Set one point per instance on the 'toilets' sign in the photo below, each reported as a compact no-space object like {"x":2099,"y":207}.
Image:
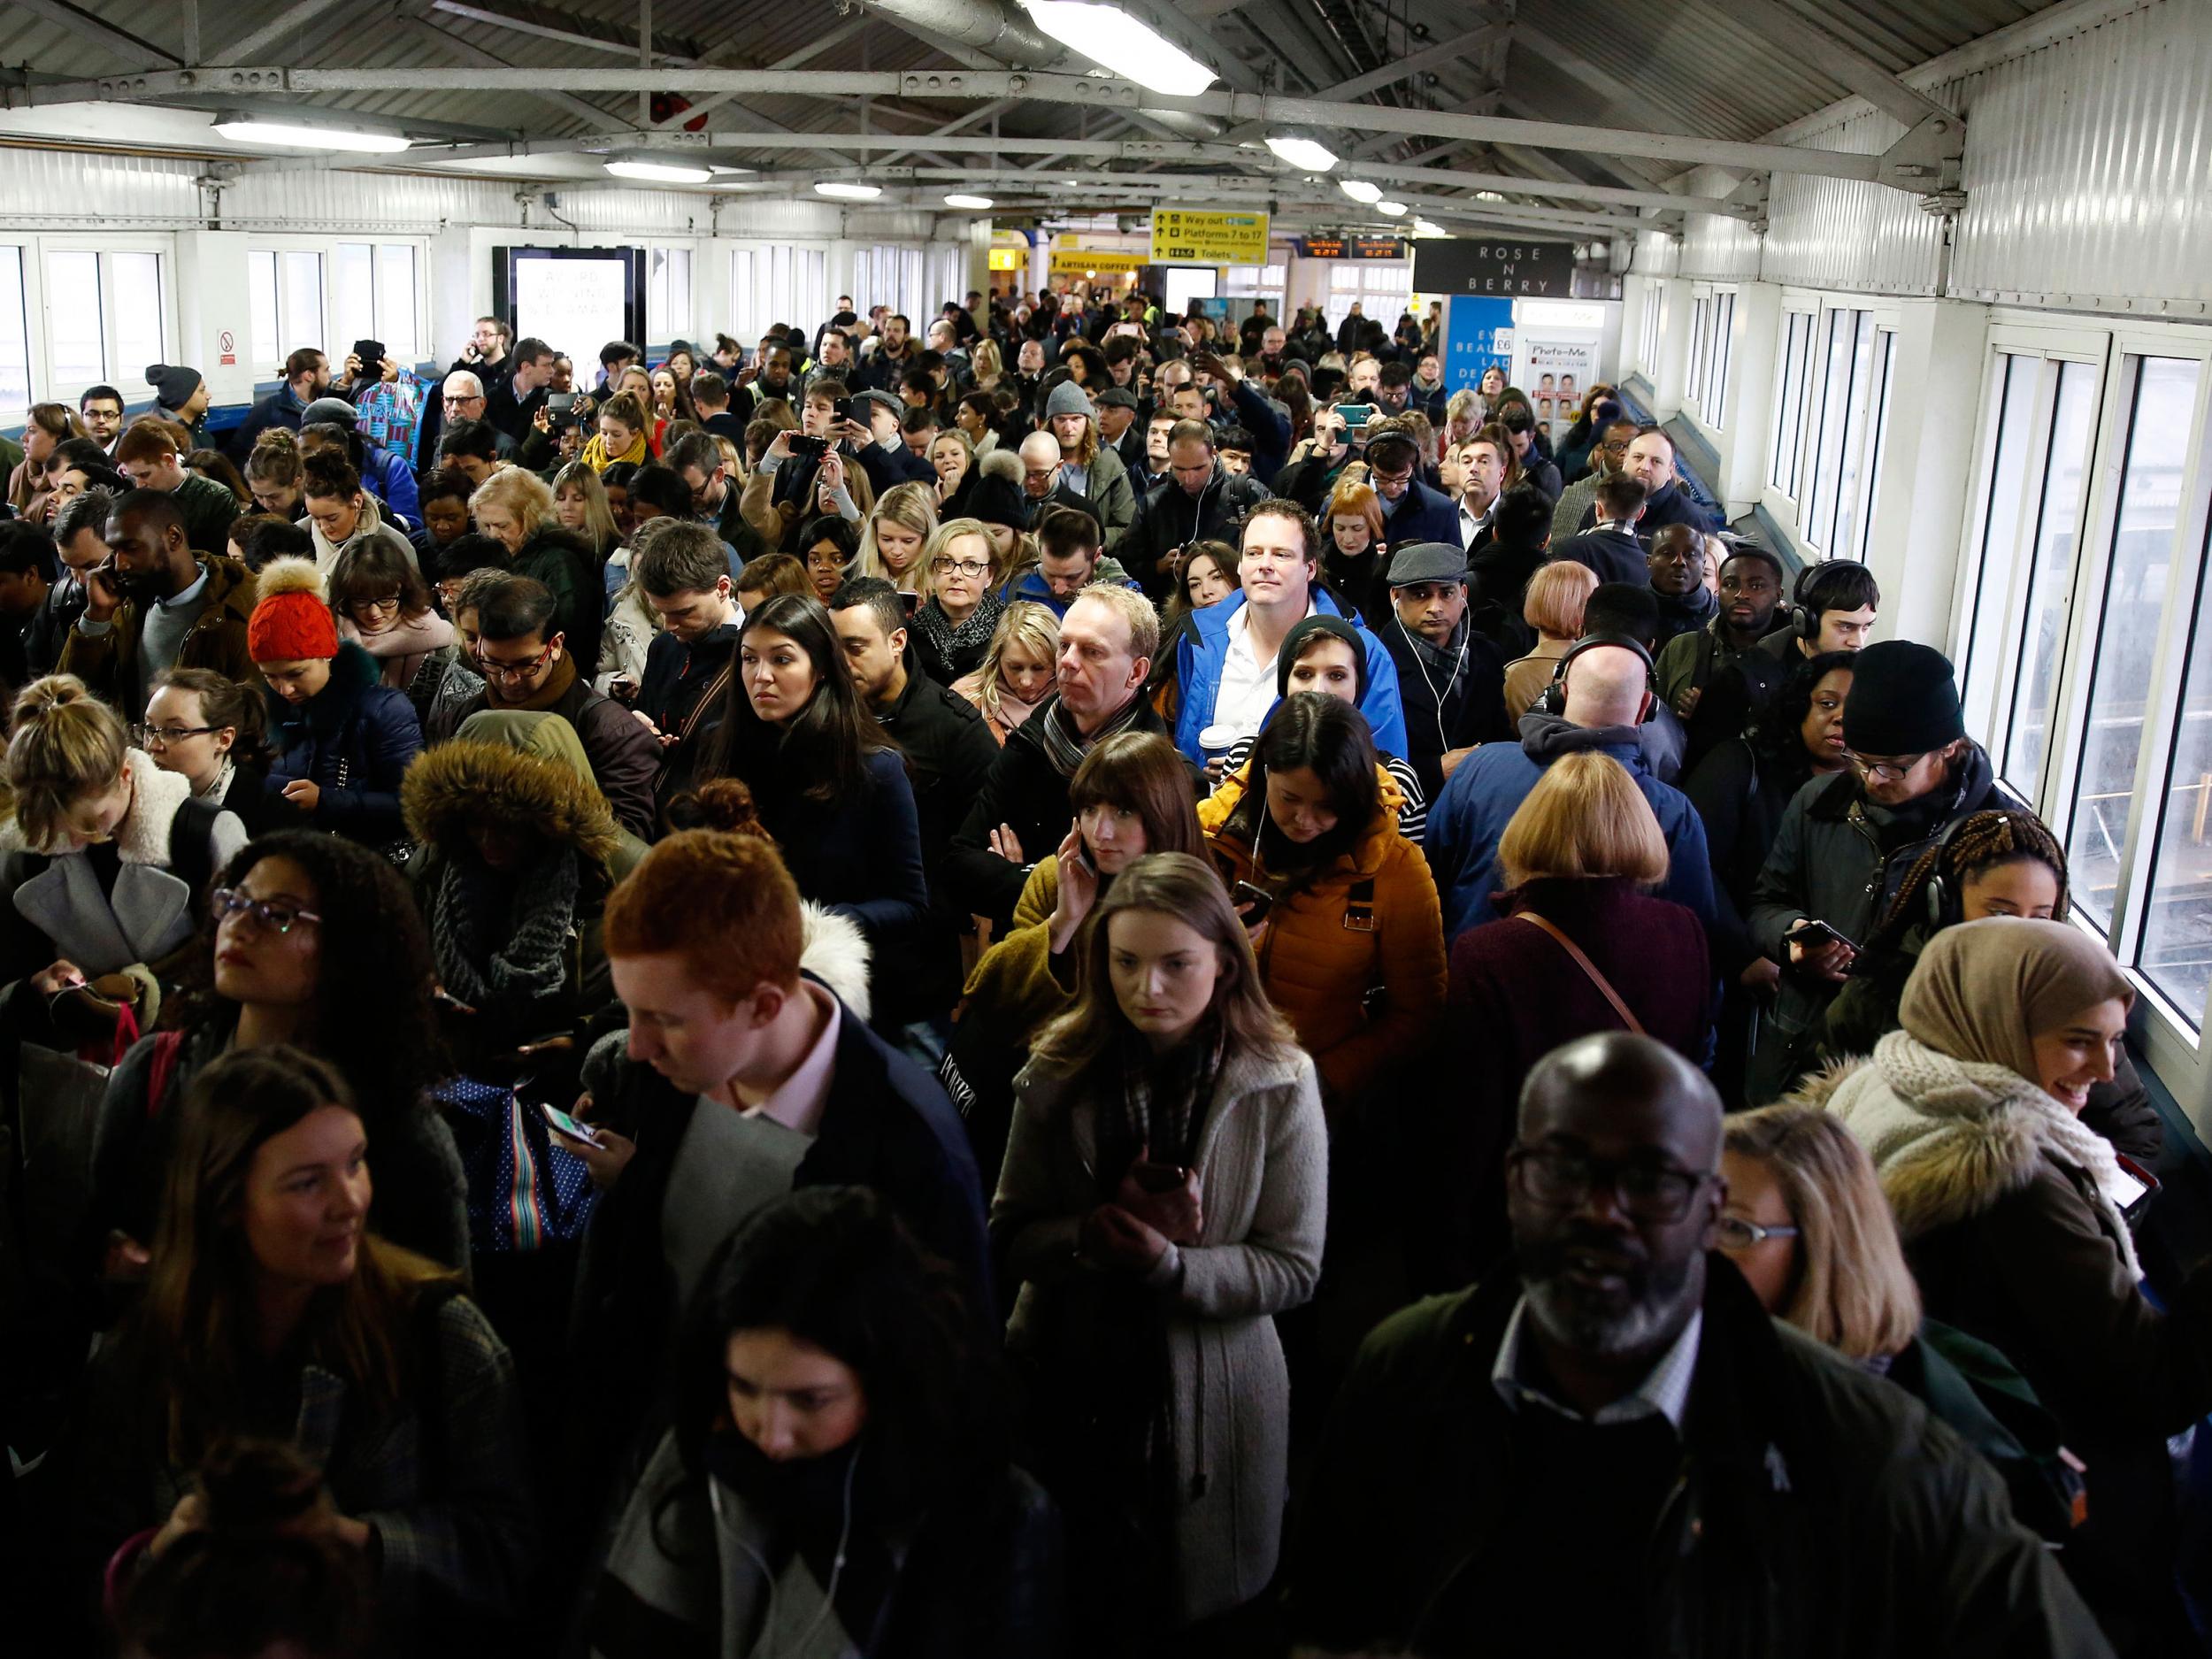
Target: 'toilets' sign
{"x":1494,"y":265}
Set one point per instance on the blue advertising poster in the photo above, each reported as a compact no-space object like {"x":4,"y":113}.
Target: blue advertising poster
{"x":1477,"y":334}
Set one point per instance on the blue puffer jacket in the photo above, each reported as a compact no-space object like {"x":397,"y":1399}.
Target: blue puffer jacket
{"x":353,"y":740}
{"x":391,"y":481}
{"x":1201,"y":651}
{"x":1469,"y":818}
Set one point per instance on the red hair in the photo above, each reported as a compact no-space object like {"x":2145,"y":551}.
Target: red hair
{"x":716,"y":893}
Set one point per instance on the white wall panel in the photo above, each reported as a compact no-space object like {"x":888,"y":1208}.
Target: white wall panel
{"x":2089,"y":169}
{"x":42,"y":189}
{"x":1714,"y":246}
{"x":1838,"y":234}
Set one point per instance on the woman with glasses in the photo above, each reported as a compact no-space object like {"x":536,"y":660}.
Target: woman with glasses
{"x":1586,"y":947}
{"x":214,"y":733}
{"x":342,"y":737}
{"x":2017,"y":1220}
{"x":312,"y":941}
{"x":101,"y":856}
{"x":1164,"y":1195}
{"x":383,"y":605}
{"x":952,"y":628}
{"x":275,"y":1310}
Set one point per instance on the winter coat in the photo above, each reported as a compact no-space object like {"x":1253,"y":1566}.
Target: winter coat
{"x":1111,"y":497}
{"x":860,"y":856}
{"x":1468,"y":821}
{"x":370,"y":527}
{"x":421,"y":1188}
{"x":1740,"y":794}
{"x":1692,"y":613}
{"x":1671,"y":506}
{"x":1262,"y":1168}
{"x":1424,"y":514}
{"x":1267,"y":422}
{"x":1837,"y":859}
{"x":1459,"y":708}
{"x":1516,"y":995}
{"x":283,"y":407}
{"x":624,"y":757}
{"x":391,"y":481}
{"x":104,"y":654}
{"x":1740,"y":689}
{"x":1203,"y":649}
{"x":1614,"y":553}
{"x":1818,"y":1511}
{"x":1026,"y":791}
{"x":2009,"y":1211}
{"x":1695,"y":659}
{"x":681,"y":693}
{"x":353,"y":739}
{"x":1367,"y":924}
{"x":948,"y":753}
{"x":1525,"y":677}
{"x":1173,"y":518}
{"x":1018,"y":983}
{"x":442,"y":1479}
{"x":974,"y":1577}
{"x":58,"y":909}
{"x":207,"y":508}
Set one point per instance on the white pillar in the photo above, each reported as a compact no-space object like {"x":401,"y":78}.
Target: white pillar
{"x":212,"y":307}
{"x":1671,"y":360}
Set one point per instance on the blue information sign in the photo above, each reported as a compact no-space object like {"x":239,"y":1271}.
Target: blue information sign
{"x":1477,"y":334}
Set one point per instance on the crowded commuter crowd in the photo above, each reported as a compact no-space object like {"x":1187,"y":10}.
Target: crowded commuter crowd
{"x":1069,"y":982}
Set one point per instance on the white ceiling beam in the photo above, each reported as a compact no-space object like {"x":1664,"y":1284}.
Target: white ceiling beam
{"x":83,"y":25}
{"x":486,"y":67}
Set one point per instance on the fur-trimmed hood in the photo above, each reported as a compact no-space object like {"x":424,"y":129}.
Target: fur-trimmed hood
{"x":464,"y":784}
{"x":1949,"y":1139}
{"x":835,"y":950}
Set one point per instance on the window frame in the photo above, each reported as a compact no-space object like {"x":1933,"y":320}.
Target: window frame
{"x":1712,"y":354}
{"x":340,"y":338}
{"x":1859,"y":454}
{"x":126,"y":377}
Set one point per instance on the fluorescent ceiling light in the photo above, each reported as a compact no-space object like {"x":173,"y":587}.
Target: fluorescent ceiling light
{"x":1108,"y":37}
{"x":1396,"y":210}
{"x":1310,"y":154}
{"x":846,"y":190}
{"x":1359,"y":190}
{"x":286,"y":137}
{"x":973,"y":203}
{"x":1427,"y":227}
{"x":659,"y":171}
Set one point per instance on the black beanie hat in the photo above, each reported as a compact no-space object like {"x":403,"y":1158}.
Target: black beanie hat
{"x":998,"y":501}
{"x":1904,"y":701}
{"x":1294,"y":642}
{"x":172,"y":384}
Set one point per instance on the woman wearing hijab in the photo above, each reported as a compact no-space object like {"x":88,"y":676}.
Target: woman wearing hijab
{"x":2015,"y":1218}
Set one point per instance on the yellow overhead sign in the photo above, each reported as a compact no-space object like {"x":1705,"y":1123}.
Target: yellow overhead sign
{"x":1009,"y":259}
{"x":1073,"y":262}
{"x":1181,"y":237}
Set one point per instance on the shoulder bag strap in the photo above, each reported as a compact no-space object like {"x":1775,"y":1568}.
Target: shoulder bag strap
{"x":1588,"y":967}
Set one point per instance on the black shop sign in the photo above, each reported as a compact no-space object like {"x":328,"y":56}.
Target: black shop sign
{"x":1494,"y":264}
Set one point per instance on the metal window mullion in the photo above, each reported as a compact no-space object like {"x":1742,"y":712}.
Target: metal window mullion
{"x":2019,"y":614}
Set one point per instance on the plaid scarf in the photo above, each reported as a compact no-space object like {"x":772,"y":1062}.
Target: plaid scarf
{"x":1160,"y":1108}
{"x":1064,"y":747}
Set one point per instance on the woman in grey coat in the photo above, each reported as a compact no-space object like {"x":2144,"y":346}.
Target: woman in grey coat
{"x":1164,"y":1193}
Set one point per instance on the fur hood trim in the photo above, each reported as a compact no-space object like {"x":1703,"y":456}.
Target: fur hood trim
{"x":142,"y":838}
{"x":834,"y":950}
{"x":461,"y":783}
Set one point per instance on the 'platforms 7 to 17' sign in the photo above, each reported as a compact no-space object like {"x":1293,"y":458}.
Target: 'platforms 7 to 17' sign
{"x":1506,"y":268}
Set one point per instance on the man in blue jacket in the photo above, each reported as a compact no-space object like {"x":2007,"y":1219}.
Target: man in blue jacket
{"x":1412,"y":511}
{"x":306,"y":378}
{"x":1608,"y":684}
{"x":1224,"y":664}
{"x":1244,"y":404}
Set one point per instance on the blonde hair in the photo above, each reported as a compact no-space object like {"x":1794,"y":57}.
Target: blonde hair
{"x":986,"y":363}
{"x":1850,"y":1290}
{"x":1026,"y":623}
{"x":1556,"y":593}
{"x":1584,"y":818}
{"x":598,"y":515}
{"x":525,"y":496}
{"x":943,"y":536}
{"x":63,"y":743}
{"x":912,"y":507}
{"x":1135,"y":611}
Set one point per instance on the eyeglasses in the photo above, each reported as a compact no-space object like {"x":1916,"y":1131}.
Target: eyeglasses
{"x":1893,"y":770}
{"x":166,"y":735}
{"x":1560,"y":1179}
{"x":390,"y":602}
{"x":513,"y":671}
{"x":1735,"y":1234}
{"x":966,"y":567}
{"x":279,"y":918}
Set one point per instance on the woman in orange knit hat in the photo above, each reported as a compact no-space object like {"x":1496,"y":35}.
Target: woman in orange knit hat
{"x":343,"y":737}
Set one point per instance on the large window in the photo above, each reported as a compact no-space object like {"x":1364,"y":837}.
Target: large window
{"x":779,"y":284}
{"x":893,"y":276}
{"x":106,"y":318}
{"x":372,"y":297}
{"x":1831,"y":423}
{"x":15,"y":338}
{"x":1712,"y":323}
{"x":285,"y":303}
{"x":2175,"y":950}
{"x":1384,"y":288}
{"x":2163,"y":397}
{"x":668,"y":294}
{"x":1791,"y":397}
{"x":1269,"y":282}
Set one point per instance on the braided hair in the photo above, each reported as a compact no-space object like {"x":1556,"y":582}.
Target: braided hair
{"x":1983,"y":841}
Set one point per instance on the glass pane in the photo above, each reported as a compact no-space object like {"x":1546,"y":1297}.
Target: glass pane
{"x":77,"y":343}
{"x":657,"y":295}
{"x":1786,"y":403}
{"x":1835,"y":401}
{"x":352,"y":298}
{"x":261,"y":287}
{"x":300,"y":305}
{"x":1849,"y":503}
{"x":2042,"y":640}
{"x":2011,"y":404}
{"x":135,"y":305}
{"x":2134,"y":592}
{"x":1696,"y":386}
{"x":2174,"y":951}
{"x":15,"y":338}
{"x":1885,"y":352}
{"x":1724,"y":329}
{"x":396,"y":299}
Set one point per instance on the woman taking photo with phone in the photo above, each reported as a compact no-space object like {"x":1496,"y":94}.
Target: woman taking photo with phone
{"x":952,"y":629}
{"x":1163,"y":1197}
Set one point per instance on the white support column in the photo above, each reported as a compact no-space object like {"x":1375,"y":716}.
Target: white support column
{"x":1927,"y":458}
{"x":1634,"y":285}
{"x":212,"y":305}
{"x":1748,"y":414}
{"x":1670,"y":375}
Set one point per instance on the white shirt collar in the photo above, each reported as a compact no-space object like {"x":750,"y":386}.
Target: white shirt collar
{"x":799,"y":1102}
{"x":1664,"y":1390}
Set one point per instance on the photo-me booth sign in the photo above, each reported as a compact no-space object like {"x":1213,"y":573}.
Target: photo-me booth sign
{"x":1495,"y":266}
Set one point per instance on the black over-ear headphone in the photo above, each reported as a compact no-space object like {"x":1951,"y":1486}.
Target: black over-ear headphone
{"x":1938,"y":889}
{"x":1806,"y":595}
{"x":1554,"y":698}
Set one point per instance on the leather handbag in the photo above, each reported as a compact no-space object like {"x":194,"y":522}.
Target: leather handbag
{"x":1588,"y":967}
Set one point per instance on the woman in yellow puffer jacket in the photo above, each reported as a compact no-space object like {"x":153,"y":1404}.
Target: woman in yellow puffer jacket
{"x":1351,"y":947}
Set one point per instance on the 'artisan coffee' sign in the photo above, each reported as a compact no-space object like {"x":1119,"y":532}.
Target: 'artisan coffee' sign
{"x":1474,"y":264}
